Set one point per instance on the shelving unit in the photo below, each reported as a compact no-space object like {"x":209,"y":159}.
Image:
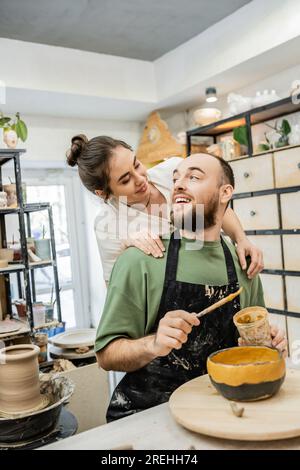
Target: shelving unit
{"x":24,"y":268}
{"x":265,"y":181}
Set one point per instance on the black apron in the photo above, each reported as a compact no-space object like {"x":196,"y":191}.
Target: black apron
{"x":154,"y":383}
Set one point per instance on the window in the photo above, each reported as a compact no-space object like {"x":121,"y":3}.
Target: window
{"x":60,"y":189}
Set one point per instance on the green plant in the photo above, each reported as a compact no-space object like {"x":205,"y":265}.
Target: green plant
{"x":240,"y":135}
{"x":14,"y":124}
{"x":44,"y":231}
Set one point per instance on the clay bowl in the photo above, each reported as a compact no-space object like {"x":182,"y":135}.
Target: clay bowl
{"x":246,"y":373}
{"x":30,"y":426}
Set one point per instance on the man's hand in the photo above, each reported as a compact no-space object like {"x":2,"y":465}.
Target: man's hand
{"x":246,"y":248}
{"x":173,"y":331}
{"x":279,"y":340}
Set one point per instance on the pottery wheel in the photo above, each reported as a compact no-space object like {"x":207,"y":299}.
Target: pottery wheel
{"x":8,"y":326}
{"x":197,"y":406}
{"x":14,"y":414}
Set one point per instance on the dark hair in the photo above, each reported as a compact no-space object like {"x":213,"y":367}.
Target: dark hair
{"x":92,"y":157}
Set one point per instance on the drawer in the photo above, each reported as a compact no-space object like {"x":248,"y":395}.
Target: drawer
{"x":294,"y":337}
{"x":291,"y":251}
{"x":278,"y":320}
{"x":287,"y":168}
{"x":253,"y":174}
{"x":290,"y":210}
{"x":271,"y":248}
{"x":257,"y":213}
{"x":273,"y":291}
{"x":293,"y":293}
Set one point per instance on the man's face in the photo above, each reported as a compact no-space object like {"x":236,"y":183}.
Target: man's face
{"x":197,"y":183}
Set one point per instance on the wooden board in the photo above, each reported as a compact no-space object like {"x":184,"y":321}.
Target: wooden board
{"x":157,"y":142}
{"x":198,"y":407}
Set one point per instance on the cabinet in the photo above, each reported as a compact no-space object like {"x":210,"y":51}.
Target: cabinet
{"x":23,"y":269}
{"x":267,"y":201}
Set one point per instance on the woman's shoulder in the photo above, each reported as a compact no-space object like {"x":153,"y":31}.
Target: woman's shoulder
{"x":105,"y":215}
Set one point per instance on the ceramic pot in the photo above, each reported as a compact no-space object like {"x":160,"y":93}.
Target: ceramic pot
{"x":19,"y":378}
{"x":205,"y":116}
{"x":42,"y":248}
{"x":253,"y":326}
{"x":10,"y":138}
{"x":11,"y":192}
{"x":3,"y":200}
{"x":7,"y":254}
{"x":246,"y":373}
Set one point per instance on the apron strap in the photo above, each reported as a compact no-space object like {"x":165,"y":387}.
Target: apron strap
{"x":172,"y":260}
{"x":231,"y":271}
{"x":172,"y":257}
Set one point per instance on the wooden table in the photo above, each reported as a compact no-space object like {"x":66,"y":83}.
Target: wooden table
{"x":156,"y":429}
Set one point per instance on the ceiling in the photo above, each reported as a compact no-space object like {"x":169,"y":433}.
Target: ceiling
{"x":136,"y":29}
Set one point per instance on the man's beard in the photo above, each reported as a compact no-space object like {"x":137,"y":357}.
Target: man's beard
{"x":193,"y":220}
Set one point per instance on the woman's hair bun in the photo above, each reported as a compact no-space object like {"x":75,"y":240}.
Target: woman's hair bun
{"x":78,"y":143}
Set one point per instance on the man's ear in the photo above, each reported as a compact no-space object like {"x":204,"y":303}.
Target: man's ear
{"x":99,"y":193}
{"x":226,"y":193}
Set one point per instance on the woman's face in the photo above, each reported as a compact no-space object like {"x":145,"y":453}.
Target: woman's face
{"x":128,"y":177}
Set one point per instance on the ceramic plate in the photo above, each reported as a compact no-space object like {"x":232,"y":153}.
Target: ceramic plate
{"x":56,"y":352}
{"x":7,"y":326}
{"x":74,"y":338}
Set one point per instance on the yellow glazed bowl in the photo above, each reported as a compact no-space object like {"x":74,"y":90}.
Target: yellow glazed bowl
{"x":246,"y":373}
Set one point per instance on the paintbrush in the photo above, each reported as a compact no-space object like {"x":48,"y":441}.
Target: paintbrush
{"x":221,"y":302}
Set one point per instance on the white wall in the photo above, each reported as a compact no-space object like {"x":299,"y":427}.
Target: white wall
{"x":50,"y":137}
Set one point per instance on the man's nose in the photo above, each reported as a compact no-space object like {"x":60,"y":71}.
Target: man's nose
{"x":179,"y":184}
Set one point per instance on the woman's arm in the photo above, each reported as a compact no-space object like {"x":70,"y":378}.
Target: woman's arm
{"x":233,"y":228}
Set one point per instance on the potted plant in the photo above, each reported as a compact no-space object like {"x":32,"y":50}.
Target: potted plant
{"x":278,"y":137}
{"x":13,"y":129}
{"x":42,"y":246}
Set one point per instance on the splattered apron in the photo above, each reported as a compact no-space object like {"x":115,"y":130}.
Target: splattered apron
{"x":154,"y":383}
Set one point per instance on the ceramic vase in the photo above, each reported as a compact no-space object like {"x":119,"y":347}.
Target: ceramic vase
{"x":10,"y":138}
{"x":42,"y":248}
{"x":19,"y":378}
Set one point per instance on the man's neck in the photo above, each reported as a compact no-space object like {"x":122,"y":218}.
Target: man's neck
{"x":211,"y":234}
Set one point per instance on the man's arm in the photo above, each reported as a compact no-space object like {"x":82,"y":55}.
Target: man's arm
{"x":128,"y":355}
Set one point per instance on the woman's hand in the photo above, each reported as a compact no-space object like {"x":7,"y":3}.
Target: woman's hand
{"x":246,"y":248}
{"x":147,"y":242}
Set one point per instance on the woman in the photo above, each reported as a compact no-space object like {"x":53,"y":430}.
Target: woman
{"x":137,"y":202}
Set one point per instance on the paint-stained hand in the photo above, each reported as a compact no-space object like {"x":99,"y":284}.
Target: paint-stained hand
{"x":279,"y":340}
{"x":173,"y":331}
